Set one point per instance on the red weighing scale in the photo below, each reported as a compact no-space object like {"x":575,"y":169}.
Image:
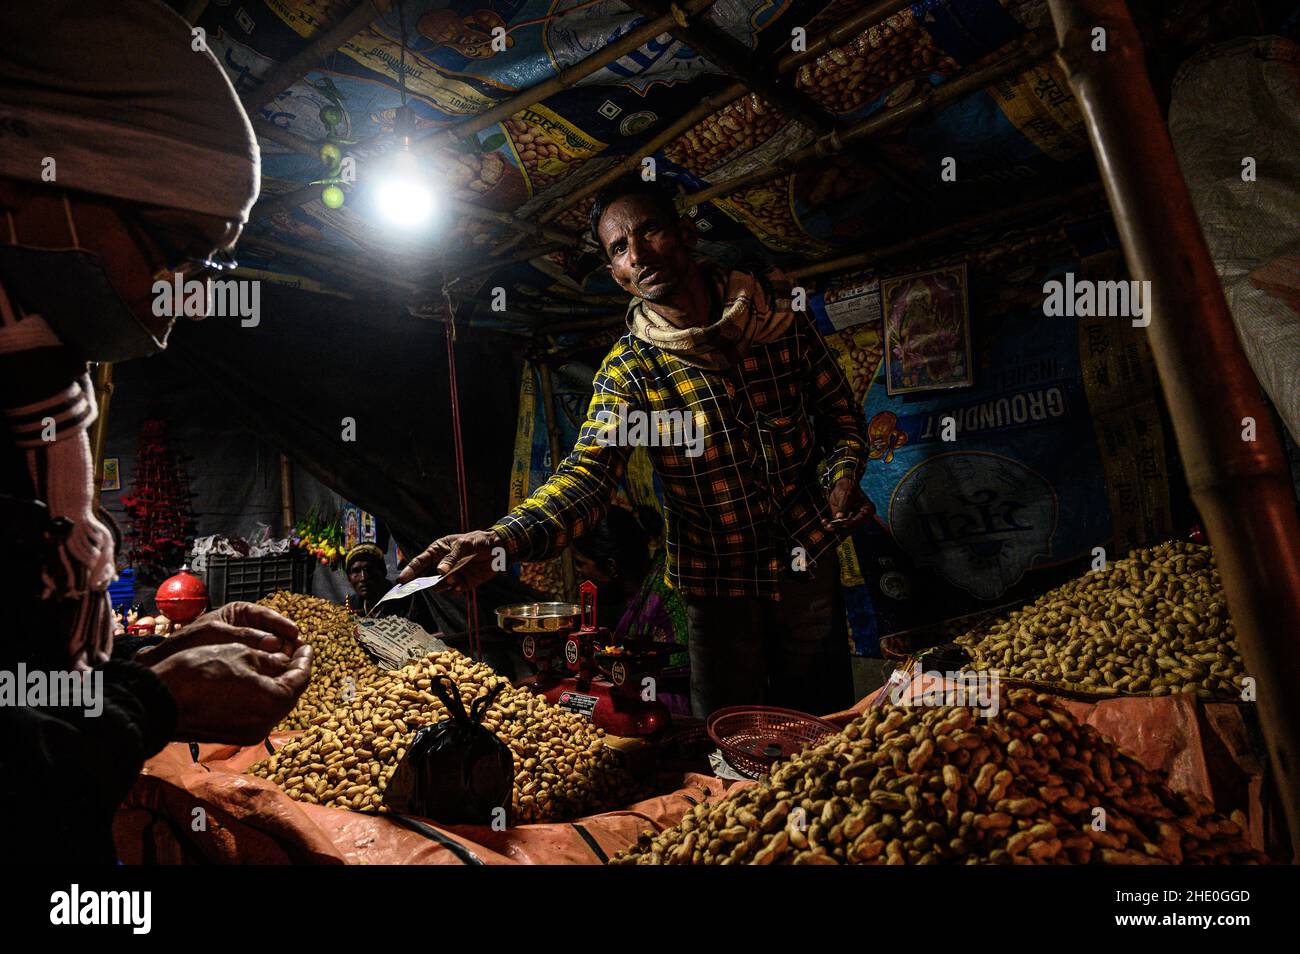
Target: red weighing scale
{"x":578,"y":666}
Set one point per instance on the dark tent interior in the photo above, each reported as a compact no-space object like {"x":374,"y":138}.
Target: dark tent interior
{"x":1029,"y":235}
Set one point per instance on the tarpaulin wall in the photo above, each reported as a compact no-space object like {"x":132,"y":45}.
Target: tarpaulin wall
{"x":1058,"y":444}
{"x":234,"y":475}
{"x":356,"y":393}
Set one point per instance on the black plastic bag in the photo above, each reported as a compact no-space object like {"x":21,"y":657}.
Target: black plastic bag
{"x":455,"y":772}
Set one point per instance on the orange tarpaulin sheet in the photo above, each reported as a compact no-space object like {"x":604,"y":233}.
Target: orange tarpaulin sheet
{"x":206,"y":811}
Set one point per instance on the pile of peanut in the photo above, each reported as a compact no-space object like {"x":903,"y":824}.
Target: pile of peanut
{"x":945,"y":785}
{"x":1154,"y":623}
{"x":337,"y":657}
{"x":362,"y":719}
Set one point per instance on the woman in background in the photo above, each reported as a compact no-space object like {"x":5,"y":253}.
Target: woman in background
{"x":623,"y":555}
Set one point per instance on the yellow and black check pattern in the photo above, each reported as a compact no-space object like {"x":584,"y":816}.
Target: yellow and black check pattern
{"x":735,"y":512}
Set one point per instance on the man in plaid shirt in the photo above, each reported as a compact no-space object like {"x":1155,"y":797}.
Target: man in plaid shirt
{"x":738,"y":399}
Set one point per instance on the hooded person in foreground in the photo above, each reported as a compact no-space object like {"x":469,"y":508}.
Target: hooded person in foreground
{"x":125,"y":159}
{"x":752,"y":400}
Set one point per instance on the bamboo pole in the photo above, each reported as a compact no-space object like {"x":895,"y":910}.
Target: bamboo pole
{"x":1241,"y":488}
{"x":567,"y":78}
{"x":1017,"y":55}
{"x":735,"y":61}
{"x":323,"y":43}
{"x":557,"y":456}
{"x":326,"y":261}
{"x":269,"y":205}
{"x":468,"y":270}
{"x":473,"y":211}
{"x":987,"y":220}
{"x":286,"y":494}
{"x":266,"y":129}
{"x":838,"y":36}
{"x":99,"y":430}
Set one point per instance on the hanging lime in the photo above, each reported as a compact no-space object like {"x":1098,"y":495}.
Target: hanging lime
{"x":332,"y":196}
{"x":331,"y":115}
{"x":330,"y":154}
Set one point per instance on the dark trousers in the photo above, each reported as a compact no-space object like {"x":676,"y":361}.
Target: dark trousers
{"x":793,"y":653}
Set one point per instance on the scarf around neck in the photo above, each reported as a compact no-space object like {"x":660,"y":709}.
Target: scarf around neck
{"x":755,"y":310}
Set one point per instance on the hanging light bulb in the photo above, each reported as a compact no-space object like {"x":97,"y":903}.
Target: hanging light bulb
{"x":402,"y":196}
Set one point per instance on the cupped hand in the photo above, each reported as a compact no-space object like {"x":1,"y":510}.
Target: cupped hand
{"x":232,"y":693}
{"x":247,"y":624}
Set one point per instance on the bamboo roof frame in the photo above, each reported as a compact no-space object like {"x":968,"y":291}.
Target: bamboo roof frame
{"x":365,"y":13}
{"x":570,"y":76}
{"x":710,"y":42}
{"x":870,"y":256}
{"x":1019,"y":54}
{"x":307,"y":193}
{"x":325,"y":42}
{"x":724,"y":52}
{"x":837,"y":36}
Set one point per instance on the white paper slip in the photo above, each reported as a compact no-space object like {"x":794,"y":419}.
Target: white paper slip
{"x":412,"y":586}
{"x":420,"y":583}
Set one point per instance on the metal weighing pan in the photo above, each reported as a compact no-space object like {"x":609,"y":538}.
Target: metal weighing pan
{"x":539,"y":617}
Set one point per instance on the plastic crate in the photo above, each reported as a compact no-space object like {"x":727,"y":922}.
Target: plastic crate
{"x":250,"y":578}
{"x":121,"y":592}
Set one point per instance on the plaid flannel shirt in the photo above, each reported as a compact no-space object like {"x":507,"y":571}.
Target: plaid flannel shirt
{"x":734,"y":513}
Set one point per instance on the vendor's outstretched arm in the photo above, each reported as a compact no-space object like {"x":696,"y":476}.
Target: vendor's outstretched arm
{"x":579,"y":492}
{"x":574,"y":498}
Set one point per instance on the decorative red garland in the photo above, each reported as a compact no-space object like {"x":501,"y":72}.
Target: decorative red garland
{"x":161,"y":522}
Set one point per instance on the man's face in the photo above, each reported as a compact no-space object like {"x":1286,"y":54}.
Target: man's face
{"x":649,"y":253}
{"x":134,"y":242}
{"x":367,"y":578}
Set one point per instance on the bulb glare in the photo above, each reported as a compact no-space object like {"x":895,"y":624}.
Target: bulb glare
{"x":405,"y":202}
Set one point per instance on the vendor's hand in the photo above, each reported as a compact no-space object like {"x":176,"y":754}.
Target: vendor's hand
{"x":231,"y":692}
{"x":248,"y":624}
{"x":446,"y":552}
{"x":848,"y":505}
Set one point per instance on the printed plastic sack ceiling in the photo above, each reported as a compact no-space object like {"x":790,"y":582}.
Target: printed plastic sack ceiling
{"x":1023,"y":129}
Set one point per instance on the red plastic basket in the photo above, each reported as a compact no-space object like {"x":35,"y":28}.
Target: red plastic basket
{"x":753,"y":737}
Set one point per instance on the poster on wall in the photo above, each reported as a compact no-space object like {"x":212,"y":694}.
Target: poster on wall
{"x":927,"y":330}
{"x":111,"y":478}
{"x":351,"y":526}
